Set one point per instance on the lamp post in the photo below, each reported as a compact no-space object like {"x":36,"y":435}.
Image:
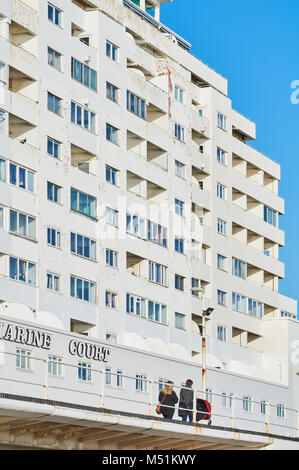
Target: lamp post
{"x":205,"y":313}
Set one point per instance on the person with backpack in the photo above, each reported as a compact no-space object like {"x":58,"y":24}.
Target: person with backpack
{"x":167,"y":399}
{"x":186,"y":402}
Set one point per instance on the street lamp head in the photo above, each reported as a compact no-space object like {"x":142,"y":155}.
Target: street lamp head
{"x":209,"y":311}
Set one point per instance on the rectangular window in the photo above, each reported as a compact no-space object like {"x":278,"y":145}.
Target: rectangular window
{"x":55,"y":366}
{"x":179,"y":207}
{"x":108,"y":376}
{"x":179,"y":282}
{"x":83,"y":290}
{"x":111,"y":258}
{"x":21,"y":177}
{"x":157,"y":312}
{"x":111,"y":134}
{"x":54,"y":59}
{"x":179,"y":94}
{"x":280,"y":411}
{"x":2,"y":170}
{"x":54,"y":104}
{"x":195,"y":287}
{"x":239,"y":268}
{"x":221,"y":262}
{"x":263,"y":407}
{"x":179,"y":245}
{"x":226,"y":400}
{"x":221,"y":333}
{"x":20,"y":270}
{"x":222,"y":298}
{"x":136,"y":105}
{"x":247,"y":404}
{"x":157,"y":233}
{"x":54,"y":237}
{"x":53,"y":147}
{"x":209,"y":395}
{"x":53,"y":192}
{"x":136,"y":305}
{"x":53,"y":282}
{"x":270,"y":216}
{"x":119,"y":378}
{"x":179,"y":321}
{"x":22,"y":224}
{"x":136,"y":226}
{"x":221,"y":121}
{"x":54,"y":14}
{"x":111,"y":216}
{"x":83,"y":117}
{"x":23,"y":359}
{"x":157,"y":273}
{"x":179,"y":132}
{"x":239,"y":302}
{"x":1,"y":217}
{"x":180,"y":169}
{"x":221,"y":191}
{"x":141,"y":383}
{"x":83,"y":246}
{"x":84,"y":74}
{"x":112,"y":51}
{"x":83,"y":203}
{"x":222,"y":227}
{"x":255,"y":308}
{"x":112,"y":175}
{"x":221,"y":156}
{"x":111,"y":299}
{"x":84,"y":371}
{"x":112,"y":92}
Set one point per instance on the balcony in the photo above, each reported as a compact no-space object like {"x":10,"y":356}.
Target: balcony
{"x":243,"y":126}
{"x":24,"y":62}
{"x":23,"y":18}
{"x":25,"y":110}
{"x":201,"y":197}
{"x":201,"y":160}
{"x":200,"y":124}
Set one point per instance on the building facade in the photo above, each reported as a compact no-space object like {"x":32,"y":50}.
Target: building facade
{"x":130,"y":201}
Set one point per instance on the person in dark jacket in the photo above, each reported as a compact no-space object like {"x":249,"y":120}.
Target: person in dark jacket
{"x":186,"y":402}
{"x":168,"y":398}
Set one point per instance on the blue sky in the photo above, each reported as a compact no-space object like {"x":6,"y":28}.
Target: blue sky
{"x":255,"y":45}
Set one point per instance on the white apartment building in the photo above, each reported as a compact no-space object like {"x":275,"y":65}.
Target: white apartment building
{"x":131,"y":201}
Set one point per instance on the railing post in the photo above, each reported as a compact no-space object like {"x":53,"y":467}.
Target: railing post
{"x":102,"y":372}
{"x":151,"y":398}
{"x":46,"y":363}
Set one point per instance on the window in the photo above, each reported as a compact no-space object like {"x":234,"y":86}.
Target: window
{"x":2,"y":169}
{"x":53,"y":282}
{"x":221,"y":121}
{"x":20,"y":270}
{"x":23,"y":359}
{"x":111,"y":216}
{"x":53,"y":147}
{"x":54,"y":237}
{"x":53,"y":192}
{"x":157,"y":273}
{"x":136,"y":225}
{"x":112,"y":175}
{"x":54,"y":14}
{"x":221,"y":297}
{"x":247,"y":404}
{"x":270,"y":216}
{"x":110,"y":299}
{"x":108,"y":377}
{"x":111,"y":134}
{"x":180,"y":169}
{"x":263,"y":407}
{"x":1,"y":217}
{"x":239,"y":303}
{"x":83,"y":246}
{"x":112,"y":92}
{"x":221,"y":333}
{"x":83,"y":203}
{"x":179,"y":245}
{"x":221,"y":262}
{"x":179,"y":321}
{"x":119,"y":378}
{"x":111,"y":258}
{"x":112,"y":51}
{"x":157,"y":312}
{"x":136,"y":305}
{"x":221,"y":191}
{"x":239,"y":268}
{"x":54,"y":104}
{"x":55,"y":366}
{"x":280,"y":411}
{"x":226,"y":400}
{"x":136,"y":105}
{"x":179,"y":94}
{"x":141,"y":383}
{"x":221,"y":227}
{"x":287,"y":315}
{"x":179,"y":282}
{"x":157,"y":233}
{"x":21,"y":177}
{"x":83,"y":290}
{"x":54,"y":59}
{"x":84,"y":371}
{"x":221,"y":156}
{"x":179,"y":132}
{"x":255,"y":308}
{"x":83,"y":117}
{"x":209,"y":395}
{"x":22,"y":224}
{"x":111,"y":338}
{"x":84,"y":74}
{"x":195,"y":287}
{"x":179,"y":207}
